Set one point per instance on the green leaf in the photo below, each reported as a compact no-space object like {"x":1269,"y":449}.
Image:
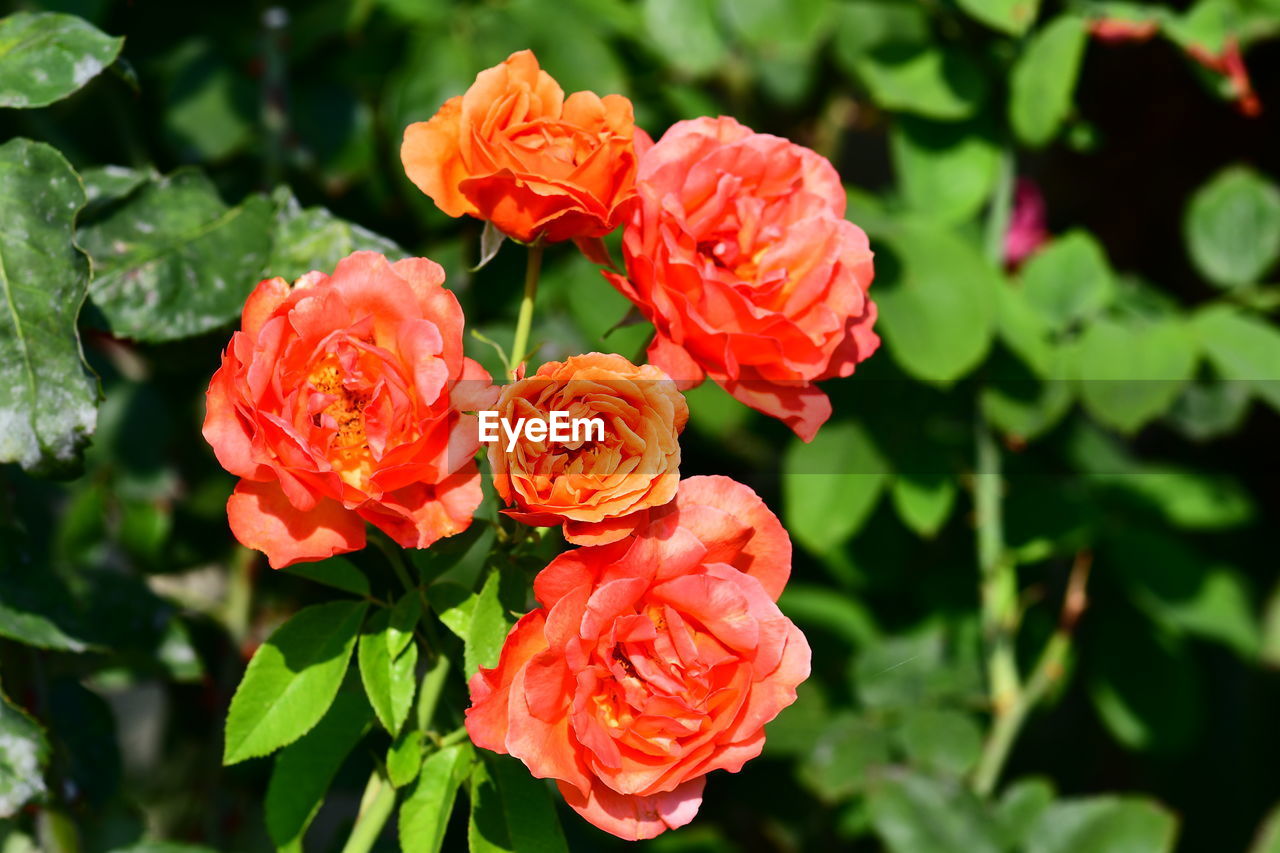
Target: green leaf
{"x":106,"y":184}
{"x":48,"y":399}
{"x":1243,"y":348}
{"x":924,"y":501}
{"x":24,"y":751}
{"x":1267,"y":838}
{"x":943,"y":84}
{"x":777,"y":26}
{"x":1019,"y":808}
{"x":36,"y":609}
{"x":937,"y":303}
{"x":403,"y":621}
{"x":389,"y":682}
{"x":1105,"y":824}
{"x":685,"y":33}
{"x":846,"y":749}
{"x":1044,"y":78}
{"x":1132,"y":371}
{"x":946,"y":170}
{"x":914,"y":670}
{"x":814,"y":606}
{"x":1232,"y":227}
{"x":304,"y":770}
{"x":174,"y":261}
{"x":831,"y":485}
{"x":917,"y":814}
{"x":487,"y":629}
{"x":939,"y":740}
{"x":1007,"y":16}
{"x":424,"y":815}
{"x":337,"y":572}
{"x":312,"y":238}
{"x":1069,"y":280}
{"x":863,"y":26}
{"x":404,"y":758}
{"x":45,"y":56}
{"x":292,"y":679}
{"x":511,"y":810}
{"x":1187,"y":498}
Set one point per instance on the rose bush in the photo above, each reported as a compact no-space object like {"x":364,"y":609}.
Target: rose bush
{"x":340,"y":401}
{"x":516,"y":152}
{"x":653,"y":661}
{"x":739,"y":255}
{"x":598,"y":490}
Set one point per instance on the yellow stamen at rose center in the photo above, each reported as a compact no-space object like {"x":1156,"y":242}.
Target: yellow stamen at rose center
{"x":349,"y":453}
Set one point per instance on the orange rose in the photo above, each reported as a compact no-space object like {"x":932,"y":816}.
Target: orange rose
{"x":516,"y":152}
{"x":739,"y":254}
{"x":652,"y":661}
{"x":338,"y":403}
{"x":598,"y":489}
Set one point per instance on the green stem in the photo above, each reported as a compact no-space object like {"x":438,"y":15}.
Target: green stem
{"x":458,"y":735}
{"x":999,"y":581}
{"x":524,"y":322}
{"x":375,"y":807}
{"x":429,"y":691}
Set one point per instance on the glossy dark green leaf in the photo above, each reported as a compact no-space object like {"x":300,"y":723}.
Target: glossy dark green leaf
{"x":292,"y":679}
{"x":1044,"y":79}
{"x":45,"y":56}
{"x":424,"y":815}
{"x":48,"y":399}
{"x":337,"y":572}
{"x":389,"y":682}
{"x":304,"y":770}
{"x":174,"y":261}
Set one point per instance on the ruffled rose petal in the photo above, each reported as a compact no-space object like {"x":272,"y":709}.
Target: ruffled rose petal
{"x":262,"y":518}
{"x":635,"y":818}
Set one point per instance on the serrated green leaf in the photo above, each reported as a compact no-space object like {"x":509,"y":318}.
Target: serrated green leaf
{"x":831,"y":485}
{"x":1069,"y":280}
{"x":24,"y":751}
{"x":1232,"y":227}
{"x":48,"y":399}
{"x":312,"y":238}
{"x":45,"y":56}
{"x":304,"y":770}
{"x":1132,"y":371}
{"x":389,"y":682}
{"x":424,"y":815}
{"x":1106,"y":824}
{"x":174,"y":261}
{"x":1044,"y":79}
{"x":937,"y":305}
{"x":292,"y":679}
{"x":337,"y":572}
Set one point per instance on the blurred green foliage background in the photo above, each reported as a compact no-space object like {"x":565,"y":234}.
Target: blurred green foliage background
{"x":1125,"y":378}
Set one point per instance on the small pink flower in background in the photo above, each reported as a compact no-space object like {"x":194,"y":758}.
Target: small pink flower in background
{"x":1116,"y":30}
{"x":1027,"y":231}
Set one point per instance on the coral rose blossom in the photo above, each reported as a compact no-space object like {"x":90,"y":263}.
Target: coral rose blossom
{"x":338,"y":402}
{"x":652,"y":661}
{"x":516,"y":152}
{"x":740,"y":256}
{"x":598,"y":489}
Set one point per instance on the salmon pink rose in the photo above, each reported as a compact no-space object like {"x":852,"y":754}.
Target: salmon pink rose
{"x":739,"y":254}
{"x":516,"y":152}
{"x":600,"y":487}
{"x":653,"y":661}
{"x":340,"y":401}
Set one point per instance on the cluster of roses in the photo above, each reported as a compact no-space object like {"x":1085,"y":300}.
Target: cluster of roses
{"x":659,"y":652}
